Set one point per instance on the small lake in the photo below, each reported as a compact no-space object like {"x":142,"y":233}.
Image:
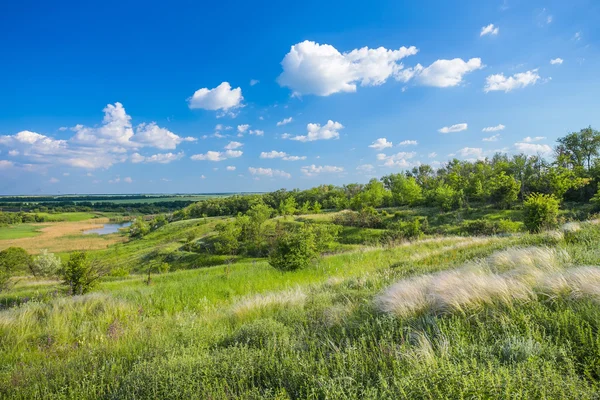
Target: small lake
{"x":107,"y":229}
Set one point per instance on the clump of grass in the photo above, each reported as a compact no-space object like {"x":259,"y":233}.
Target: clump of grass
{"x":264,"y":301}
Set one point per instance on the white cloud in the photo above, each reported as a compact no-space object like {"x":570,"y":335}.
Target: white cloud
{"x":202,"y":177}
{"x":269,"y":172}
{"x":397,"y":160}
{"x":454,"y":128}
{"x":380,"y":144}
{"x":520,"y":80}
{"x":233,"y":145}
{"x":66,"y":173}
{"x":557,"y":60}
{"x":6,"y":164}
{"x":496,"y":128}
{"x":532,"y":148}
{"x":256,"y":132}
{"x":285,"y":121}
{"x":127,"y":179}
{"x":365,"y":168}
{"x":577,"y":36}
{"x":493,"y":138}
{"x":155,"y":136}
{"x":223,"y":97}
{"x":13,"y":153}
{"x":408,"y":143}
{"x":489,"y":30}
{"x":313,"y":169}
{"x":530,"y":139}
{"x":442,"y":73}
{"x":312,"y":68}
{"x":53,"y":180}
{"x":254,"y":82}
{"x":243,"y":128}
{"x":294,"y":158}
{"x":230,"y":168}
{"x":163,"y":158}
{"x":470,"y":152}
{"x":432,"y":155}
{"x":217,"y":155}
{"x":318,"y":132}
{"x":273,"y":154}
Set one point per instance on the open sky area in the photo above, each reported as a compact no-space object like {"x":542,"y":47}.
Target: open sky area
{"x":186,"y":96}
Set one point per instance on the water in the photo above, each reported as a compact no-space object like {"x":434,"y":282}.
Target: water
{"x":107,"y":229}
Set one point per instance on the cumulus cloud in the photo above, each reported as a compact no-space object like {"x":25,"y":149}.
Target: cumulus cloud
{"x":489,"y":30}
{"x":454,"y":128}
{"x":397,"y":160}
{"x":230,"y":168}
{"x":496,"y":128}
{"x":127,"y":179}
{"x":155,"y":136}
{"x":243,"y":128}
{"x":53,"y":180}
{"x":530,"y":139}
{"x":13,"y":153}
{"x":408,"y":143}
{"x":233,"y":145}
{"x":4,"y":164}
{"x":442,"y":73}
{"x":556,"y":61}
{"x":471,"y":152}
{"x":380,"y":144}
{"x":365,"y":168}
{"x":285,"y":121}
{"x":163,"y":158}
{"x":318,"y":132}
{"x":256,"y":132}
{"x":312,"y":170}
{"x":312,"y":68}
{"x":281,"y":154}
{"x":533,"y":148}
{"x":223,"y":98}
{"x":217,"y":155}
{"x":499,"y":82}
{"x":493,"y":138}
{"x":269,"y":172}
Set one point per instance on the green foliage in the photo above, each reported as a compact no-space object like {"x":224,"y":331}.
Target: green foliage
{"x":316,"y":208}
{"x":445,"y":197}
{"x":540,"y":212}
{"x":372,"y":195}
{"x":139,"y":228}
{"x":15,"y":259}
{"x":365,"y":218}
{"x":297,"y":247}
{"x":489,"y":227}
{"x":503,"y":190}
{"x":595,"y":200}
{"x":228,"y":238}
{"x":288,"y":206}
{"x":45,"y":264}
{"x":405,"y":190}
{"x":158,"y":221}
{"x":403,"y":230}
{"x":80,"y":274}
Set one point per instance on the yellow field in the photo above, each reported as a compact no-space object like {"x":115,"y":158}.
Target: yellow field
{"x":65,"y":236}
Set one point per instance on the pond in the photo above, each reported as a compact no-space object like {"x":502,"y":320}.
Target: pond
{"x":107,"y":229}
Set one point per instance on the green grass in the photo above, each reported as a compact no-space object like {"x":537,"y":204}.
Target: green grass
{"x":249,"y":331}
{"x":19,"y":231}
{"x":68,"y":216}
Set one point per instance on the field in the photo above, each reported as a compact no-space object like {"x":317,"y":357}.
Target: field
{"x":58,"y":237}
{"x":510,"y":316}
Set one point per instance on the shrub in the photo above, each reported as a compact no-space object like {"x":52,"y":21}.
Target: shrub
{"x":296,"y":248}
{"x":488,"y":227}
{"x":139,"y":228}
{"x":365,"y":218}
{"x":45,"y":264}
{"x":403,"y":230}
{"x":81,"y":274}
{"x":15,"y":259}
{"x":540,"y":212}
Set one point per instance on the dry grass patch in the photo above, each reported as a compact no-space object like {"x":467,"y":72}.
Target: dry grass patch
{"x":65,"y":236}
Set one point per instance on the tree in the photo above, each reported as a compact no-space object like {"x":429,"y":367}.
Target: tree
{"x":228,"y":238}
{"x":445,"y":197}
{"x":45,"y":264}
{"x":580,"y":147}
{"x":540,"y":212}
{"x":139,"y":228}
{"x":288,"y":206}
{"x":503,"y":190}
{"x":372,"y":195}
{"x":158,"y":221}
{"x":405,"y":190}
{"x":81,"y":274}
{"x":316,"y":208}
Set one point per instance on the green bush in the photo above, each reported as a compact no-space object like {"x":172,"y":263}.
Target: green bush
{"x":81,"y":274}
{"x":45,"y":264}
{"x":297,"y":247}
{"x":488,"y":227}
{"x":401,"y":230}
{"x":540,"y":212}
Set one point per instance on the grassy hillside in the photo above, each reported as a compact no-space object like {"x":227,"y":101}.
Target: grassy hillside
{"x":442,"y":317}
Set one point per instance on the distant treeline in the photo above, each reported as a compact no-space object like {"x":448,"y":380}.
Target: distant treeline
{"x":573,"y":174}
{"x":83,"y":206}
{"x":93,"y":198}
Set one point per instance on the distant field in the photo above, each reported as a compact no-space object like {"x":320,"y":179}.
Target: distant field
{"x":20,"y":231}
{"x":161,"y":199}
{"x":68,"y":216}
{"x":117,"y":199}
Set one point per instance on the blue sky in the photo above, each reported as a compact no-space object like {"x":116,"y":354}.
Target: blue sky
{"x":179,"y":96}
